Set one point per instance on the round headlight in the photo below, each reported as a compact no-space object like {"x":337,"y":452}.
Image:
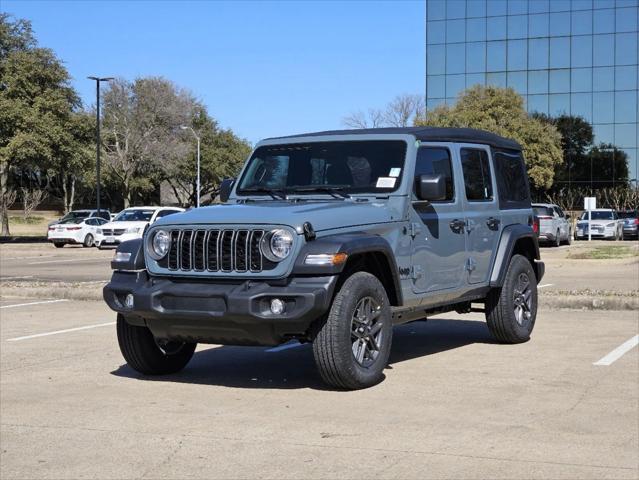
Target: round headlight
{"x":277,"y":245}
{"x":160,"y":244}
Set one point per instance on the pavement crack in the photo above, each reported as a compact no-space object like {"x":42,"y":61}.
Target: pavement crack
{"x":335,"y":446}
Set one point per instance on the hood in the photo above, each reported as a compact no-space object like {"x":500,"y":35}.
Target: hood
{"x":323,"y":215}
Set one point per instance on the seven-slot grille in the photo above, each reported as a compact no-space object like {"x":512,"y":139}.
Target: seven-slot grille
{"x":223,"y":250}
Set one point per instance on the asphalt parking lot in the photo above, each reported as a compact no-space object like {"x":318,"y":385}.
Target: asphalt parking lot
{"x":453,"y":404}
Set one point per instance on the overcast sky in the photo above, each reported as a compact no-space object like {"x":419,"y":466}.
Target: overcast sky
{"x":262,"y":68}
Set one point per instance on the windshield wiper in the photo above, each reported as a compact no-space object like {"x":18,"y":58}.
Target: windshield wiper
{"x":276,"y":194}
{"x":336,"y":192}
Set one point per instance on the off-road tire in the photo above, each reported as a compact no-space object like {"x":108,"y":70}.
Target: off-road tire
{"x":333,"y":345}
{"x":58,"y":244}
{"x":143,"y":354}
{"x":500,"y":304}
{"x":88,"y":241}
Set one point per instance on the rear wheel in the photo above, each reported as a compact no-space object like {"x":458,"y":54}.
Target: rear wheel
{"x":58,"y":244}
{"x":150,"y":356}
{"x":353,"y":345}
{"x":88,"y":241}
{"x":557,"y":239}
{"x":511,"y":310}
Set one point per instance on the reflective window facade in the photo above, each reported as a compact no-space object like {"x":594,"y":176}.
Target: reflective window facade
{"x":577,"y":57}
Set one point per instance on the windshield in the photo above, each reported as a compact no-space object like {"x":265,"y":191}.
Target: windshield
{"x":75,"y":215}
{"x":543,"y":211}
{"x":350,"y":167}
{"x":627,"y":214}
{"x":597,"y":215}
{"x":66,"y":221}
{"x":134,"y":216}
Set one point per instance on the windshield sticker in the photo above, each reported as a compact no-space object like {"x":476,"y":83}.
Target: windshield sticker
{"x":394,"y":172}
{"x":385,"y":182}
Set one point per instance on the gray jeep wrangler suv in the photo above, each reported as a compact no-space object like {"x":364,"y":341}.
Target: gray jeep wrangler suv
{"x":333,"y":238}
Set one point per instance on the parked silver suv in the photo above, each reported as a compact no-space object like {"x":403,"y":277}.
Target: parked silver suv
{"x":554,"y":224}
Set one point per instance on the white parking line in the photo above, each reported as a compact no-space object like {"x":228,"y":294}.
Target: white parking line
{"x":67,"y":261}
{"x":15,"y":278}
{"x":286,"y":346}
{"x":27,"y":337}
{"x":545,"y":285}
{"x":618,"y":352}
{"x":34,"y":303}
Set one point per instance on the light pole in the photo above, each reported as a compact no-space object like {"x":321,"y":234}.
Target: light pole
{"x":97,"y":134}
{"x":197,"y":180}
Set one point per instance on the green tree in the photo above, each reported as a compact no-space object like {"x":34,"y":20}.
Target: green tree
{"x":603,"y":165}
{"x":222,"y":155}
{"x":36,"y":106}
{"x":501,"y":111}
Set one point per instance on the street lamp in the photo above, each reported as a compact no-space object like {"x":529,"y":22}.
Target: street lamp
{"x":97,"y":134}
{"x":197,"y":181}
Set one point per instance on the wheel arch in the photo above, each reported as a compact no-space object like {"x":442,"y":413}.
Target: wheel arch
{"x":366,"y":252}
{"x":516,"y":240}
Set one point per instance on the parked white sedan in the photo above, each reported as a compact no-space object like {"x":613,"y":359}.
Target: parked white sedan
{"x":75,"y":230}
{"x":605,"y":223}
{"x":130,"y":224}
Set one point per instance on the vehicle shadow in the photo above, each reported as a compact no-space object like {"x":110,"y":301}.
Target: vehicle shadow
{"x":293,"y":368}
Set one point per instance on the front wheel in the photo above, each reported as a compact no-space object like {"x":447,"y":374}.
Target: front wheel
{"x":353,"y":345}
{"x":149,"y":356}
{"x":511,"y":310}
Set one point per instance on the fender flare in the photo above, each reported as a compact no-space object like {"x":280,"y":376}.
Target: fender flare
{"x":509,"y":237}
{"x":136,"y":258}
{"x":351,"y":244}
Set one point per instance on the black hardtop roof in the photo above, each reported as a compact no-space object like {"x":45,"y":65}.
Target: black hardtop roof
{"x":426,"y":134}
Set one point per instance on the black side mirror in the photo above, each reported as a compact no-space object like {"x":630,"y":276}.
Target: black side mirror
{"x":431,"y":187}
{"x":225,"y":189}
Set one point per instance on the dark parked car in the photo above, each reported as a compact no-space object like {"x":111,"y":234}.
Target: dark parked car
{"x":630,"y":223}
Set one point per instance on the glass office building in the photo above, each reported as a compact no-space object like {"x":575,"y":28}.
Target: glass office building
{"x":576,"y":57}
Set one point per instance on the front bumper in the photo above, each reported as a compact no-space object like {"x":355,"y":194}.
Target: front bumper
{"x":115,"y":240}
{"x":230,"y":313}
{"x":607,"y":233}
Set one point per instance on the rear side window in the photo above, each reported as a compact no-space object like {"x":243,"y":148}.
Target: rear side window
{"x":512,"y":180}
{"x":543,"y":211}
{"x":435,"y":161}
{"x":477,"y":180}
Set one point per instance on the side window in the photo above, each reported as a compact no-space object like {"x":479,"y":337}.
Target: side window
{"x":101,"y":221}
{"x":559,"y":212}
{"x":91,"y":222}
{"x":477,"y":179}
{"x":435,"y":161}
{"x":512,"y":180}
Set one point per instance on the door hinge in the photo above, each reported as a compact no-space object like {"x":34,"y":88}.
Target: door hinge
{"x":414,"y":229}
{"x":471,"y":264}
{"x":416,"y":272}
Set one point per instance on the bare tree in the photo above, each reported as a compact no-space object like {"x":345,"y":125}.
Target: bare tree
{"x":140,"y":123}
{"x":403,"y":109}
{"x":373,"y":118}
{"x":31,"y":199}
{"x":400,"y":112}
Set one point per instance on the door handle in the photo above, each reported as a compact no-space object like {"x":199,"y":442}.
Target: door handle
{"x":457,"y":225}
{"x":493,"y":223}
